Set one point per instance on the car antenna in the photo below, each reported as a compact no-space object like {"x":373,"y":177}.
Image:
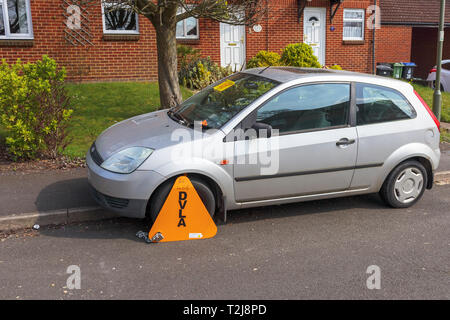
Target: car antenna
{"x":264,"y":70}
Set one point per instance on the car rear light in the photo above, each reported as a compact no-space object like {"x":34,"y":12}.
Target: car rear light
{"x":433,"y":70}
{"x":436,"y":121}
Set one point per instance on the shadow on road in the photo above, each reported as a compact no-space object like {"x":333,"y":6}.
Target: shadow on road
{"x":67,"y":194}
{"x":74,"y":193}
{"x":70,"y":193}
{"x":371,"y":201}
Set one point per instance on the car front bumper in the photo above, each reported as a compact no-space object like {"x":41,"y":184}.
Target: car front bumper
{"x":126,"y":194}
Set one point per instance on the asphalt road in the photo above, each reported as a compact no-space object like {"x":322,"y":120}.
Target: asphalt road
{"x":314,"y":250}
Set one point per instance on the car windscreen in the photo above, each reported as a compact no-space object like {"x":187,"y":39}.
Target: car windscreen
{"x":216,"y":105}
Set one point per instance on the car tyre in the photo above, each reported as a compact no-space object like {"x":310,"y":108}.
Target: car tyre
{"x":405,"y":185}
{"x":433,"y":86}
{"x":202,"y":188}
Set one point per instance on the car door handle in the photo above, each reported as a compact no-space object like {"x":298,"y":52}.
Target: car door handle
{"x":345,"y":142}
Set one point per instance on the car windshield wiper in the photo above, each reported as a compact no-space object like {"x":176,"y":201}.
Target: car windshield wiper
{"x":178,"y":118}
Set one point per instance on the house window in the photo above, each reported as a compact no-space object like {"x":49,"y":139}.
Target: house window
{"x":353,"y":24}
{"x":15,"y":19}
{"x":187,"y":28}
{"x":119,"y":18}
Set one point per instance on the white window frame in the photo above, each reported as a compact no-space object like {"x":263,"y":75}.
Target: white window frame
{"x":105,"y":31}
{"x":354,"y":20}
{"x":16,"y":36}
{"x":185,"y":36}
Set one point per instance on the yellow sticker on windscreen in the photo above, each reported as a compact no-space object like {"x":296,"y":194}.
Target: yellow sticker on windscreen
{"x":224,"y":85}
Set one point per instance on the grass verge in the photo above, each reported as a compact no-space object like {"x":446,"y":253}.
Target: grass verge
{"x":97,"y":106}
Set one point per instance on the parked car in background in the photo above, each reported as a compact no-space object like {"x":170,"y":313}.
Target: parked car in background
{"x":445,"y":76}
{"x":339,"y":134}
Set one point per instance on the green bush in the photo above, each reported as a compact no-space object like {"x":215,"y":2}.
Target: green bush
{"x":264,"y":59}
{"x":299,"y":55}
{"x":202,"y":72}
{"x":335,"y":67}
{"x":186,"y":54}
{"x":34,"y":108}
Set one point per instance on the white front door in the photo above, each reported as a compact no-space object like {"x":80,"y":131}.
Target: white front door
{"x":232,"y":46}
{"x":314,"y":26}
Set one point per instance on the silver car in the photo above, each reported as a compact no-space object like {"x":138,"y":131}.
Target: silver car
{"x":270,"y":136}
{"x":445,"y":76}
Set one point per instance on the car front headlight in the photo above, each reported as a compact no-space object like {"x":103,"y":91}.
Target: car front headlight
{"x":127,"y":160}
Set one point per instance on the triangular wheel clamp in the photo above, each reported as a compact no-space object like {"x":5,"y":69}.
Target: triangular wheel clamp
{"x":183,"y":215}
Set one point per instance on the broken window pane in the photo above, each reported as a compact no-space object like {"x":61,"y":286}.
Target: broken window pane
{"x":120,"y":18}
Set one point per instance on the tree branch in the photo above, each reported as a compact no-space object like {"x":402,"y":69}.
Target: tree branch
{"x":238,"y":12}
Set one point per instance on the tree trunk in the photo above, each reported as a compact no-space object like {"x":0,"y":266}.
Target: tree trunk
{"x":169,"y":88}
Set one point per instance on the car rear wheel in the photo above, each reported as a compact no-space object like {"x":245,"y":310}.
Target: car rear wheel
{"x":405,"y":185}
{"x":433,"y":85}
{"x":202,"y":188}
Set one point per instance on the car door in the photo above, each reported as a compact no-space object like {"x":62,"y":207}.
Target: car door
{"x":315,"y":151}
{"x":385,"y":121}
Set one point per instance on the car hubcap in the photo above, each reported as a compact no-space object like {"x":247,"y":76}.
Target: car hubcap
{"x":408,"y":185}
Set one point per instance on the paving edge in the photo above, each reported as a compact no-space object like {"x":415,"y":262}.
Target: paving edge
{"x":56,"y":217}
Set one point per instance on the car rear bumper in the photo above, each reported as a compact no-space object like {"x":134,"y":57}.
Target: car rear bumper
{"x":126,"y":194}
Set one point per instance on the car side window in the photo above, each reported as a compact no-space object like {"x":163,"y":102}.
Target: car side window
{"x":377,"y":104}
{"x":308,"y":107}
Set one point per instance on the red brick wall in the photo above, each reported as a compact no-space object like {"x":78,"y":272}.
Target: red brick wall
{"x":350,"y":55}
{"x":136,"y":60}
{"x":105,"y":60}
{"x":393,"y":44}
{"x":282,"y":27}
{"x":209,"y":39}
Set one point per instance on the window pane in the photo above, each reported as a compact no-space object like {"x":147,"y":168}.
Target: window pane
{"x":120,"y":19}
{"x":380,"y":104}
{"x":191,"y":27}
{"x":353,"y":14}
{"x":308,"y":107}
{"x":180,"y":29}
{"x":2,"y":24}
{"x":353,"y":29}
{"x":17,"y":12}
{"x":217,"y":105}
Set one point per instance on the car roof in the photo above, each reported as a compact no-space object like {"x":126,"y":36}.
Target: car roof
{"x":288,"y":74}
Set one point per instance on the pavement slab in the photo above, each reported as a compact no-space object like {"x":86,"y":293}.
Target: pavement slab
{"x":44,"y":191}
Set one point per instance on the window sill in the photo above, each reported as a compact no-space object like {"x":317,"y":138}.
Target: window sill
{"x":188,"y":41}
{"x":16,"y":42}
{"x":121,"y":37}
{"x":353,"y":42}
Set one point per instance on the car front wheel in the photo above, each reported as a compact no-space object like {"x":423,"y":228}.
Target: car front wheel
{"x":202,"y":188}
{"x":405,"y":185}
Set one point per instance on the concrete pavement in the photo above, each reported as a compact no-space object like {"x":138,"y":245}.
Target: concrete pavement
{"x":44,"y":191}
{"x":47,"y":197}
